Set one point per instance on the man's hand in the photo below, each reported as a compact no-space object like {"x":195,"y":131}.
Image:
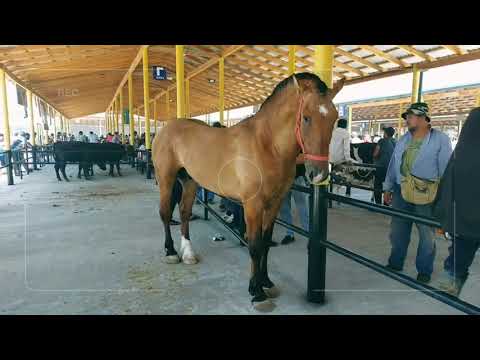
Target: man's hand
{"x":387,"y":197}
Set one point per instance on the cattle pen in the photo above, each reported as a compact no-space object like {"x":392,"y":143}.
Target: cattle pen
{"x":95,"y":247}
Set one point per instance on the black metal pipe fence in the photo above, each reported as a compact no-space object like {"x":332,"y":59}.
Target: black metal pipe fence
{"x":317,"y":233}
{"x":318,"y":244}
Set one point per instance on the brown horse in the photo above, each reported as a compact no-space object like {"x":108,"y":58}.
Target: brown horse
{"x":252,"y":162}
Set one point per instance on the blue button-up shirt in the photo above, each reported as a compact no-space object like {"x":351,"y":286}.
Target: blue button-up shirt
{"x":431,"y":161}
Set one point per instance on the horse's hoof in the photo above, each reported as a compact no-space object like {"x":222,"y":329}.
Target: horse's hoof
{"x":172,"y":259}
{"x":264,"y":306}
{"x":272,"y":292}
{"x":189,"y":260}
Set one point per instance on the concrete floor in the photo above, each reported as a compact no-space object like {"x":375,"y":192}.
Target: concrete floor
{"x":96,"y":248}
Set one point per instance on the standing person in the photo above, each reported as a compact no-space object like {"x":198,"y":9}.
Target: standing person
{"x":81,"y":137}
{"x":116,"y":138}
{"x":301,"y":203}
{"x":457,"y":205}
{"x":418,"y":162}
{"x":109,"y":137}
{"x":382,"y":155}
{"x":339,"y":149}
{"x":92,"y":137}
{"x":355,"y":138}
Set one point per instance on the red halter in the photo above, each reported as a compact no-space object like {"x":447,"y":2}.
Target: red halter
{"x":299,"y":136}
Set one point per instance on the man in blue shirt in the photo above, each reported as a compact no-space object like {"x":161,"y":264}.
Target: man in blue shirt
{"x":422,"y":152}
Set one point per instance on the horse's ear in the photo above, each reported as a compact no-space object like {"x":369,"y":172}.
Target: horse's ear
{"x":295,"y":83}
{"x":336,"y":88}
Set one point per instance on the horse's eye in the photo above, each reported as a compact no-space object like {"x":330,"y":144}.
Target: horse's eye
{"x":306,"y":119}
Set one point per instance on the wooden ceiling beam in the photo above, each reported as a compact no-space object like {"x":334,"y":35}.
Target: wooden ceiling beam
{"x":383,"y":55}
{"x":455,"y":49}
{"x":411,"y":50}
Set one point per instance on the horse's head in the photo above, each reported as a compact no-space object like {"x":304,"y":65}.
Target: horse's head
{"x":314,"y":123}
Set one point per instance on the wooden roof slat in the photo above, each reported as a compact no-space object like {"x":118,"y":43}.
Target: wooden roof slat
{"x":384,"y":55}
{"x":413,"y":51}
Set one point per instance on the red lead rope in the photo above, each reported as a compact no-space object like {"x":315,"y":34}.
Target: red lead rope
{"x":299,"y":136}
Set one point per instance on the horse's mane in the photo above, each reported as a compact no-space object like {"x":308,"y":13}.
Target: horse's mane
{"x":319,"y":85}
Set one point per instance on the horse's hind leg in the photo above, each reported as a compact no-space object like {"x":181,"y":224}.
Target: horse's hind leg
{"x":165,"y":185}
{"x":188,"y":197}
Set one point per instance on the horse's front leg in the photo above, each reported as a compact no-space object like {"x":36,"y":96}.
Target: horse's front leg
{"x":269,"y":216}
{"x":257,"y":248}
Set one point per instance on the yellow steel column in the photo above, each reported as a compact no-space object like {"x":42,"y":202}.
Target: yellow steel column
{"x":155,"y":114}
{"x":477,"y":104}
{"x":187,"y":98}
{"x":6,"y":122}
{"x":106,"y":122}
{"x":146,"y":98}
{"x":130,"y":108}
{"x":221,"y":88}
{"x":350,"y":118}
{"x":30,"y":115}
{"x":54,"y":124}
{"x":291,"y":60}
{"x":167,"y":104}
{"x":180,"y":81}
{"x":122,"y":120}
{"x":416,"y":84}
{"x":115,"y":114}
{"x":323,"y":66}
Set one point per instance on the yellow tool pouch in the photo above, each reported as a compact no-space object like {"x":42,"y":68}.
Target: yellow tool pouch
{"x":418,"y":191}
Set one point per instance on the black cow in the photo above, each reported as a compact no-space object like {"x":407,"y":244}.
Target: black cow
{"x":362,"y":152}
{"x":87,"y":154}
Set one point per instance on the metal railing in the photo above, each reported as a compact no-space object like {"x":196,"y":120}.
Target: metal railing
{"x":318,"y":244}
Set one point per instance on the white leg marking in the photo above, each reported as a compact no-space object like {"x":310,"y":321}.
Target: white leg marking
{"x":186,"y":250}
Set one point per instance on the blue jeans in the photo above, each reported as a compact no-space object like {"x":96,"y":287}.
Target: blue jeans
{"x":210,"y":195}
{"x":301,"y":202}
{"x":401,"y":232}
{"x":461,"y":254}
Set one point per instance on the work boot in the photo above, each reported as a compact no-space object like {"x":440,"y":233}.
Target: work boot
{"x":450,"y":284}
{"x":393,"y":268}
{"x":424,"y":278}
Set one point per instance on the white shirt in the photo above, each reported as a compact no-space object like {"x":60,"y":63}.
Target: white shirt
{"x":93,"y":138}
{"x":340,"y":146}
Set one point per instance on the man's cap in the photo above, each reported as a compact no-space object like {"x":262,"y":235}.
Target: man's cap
{"x":419,"y":108}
